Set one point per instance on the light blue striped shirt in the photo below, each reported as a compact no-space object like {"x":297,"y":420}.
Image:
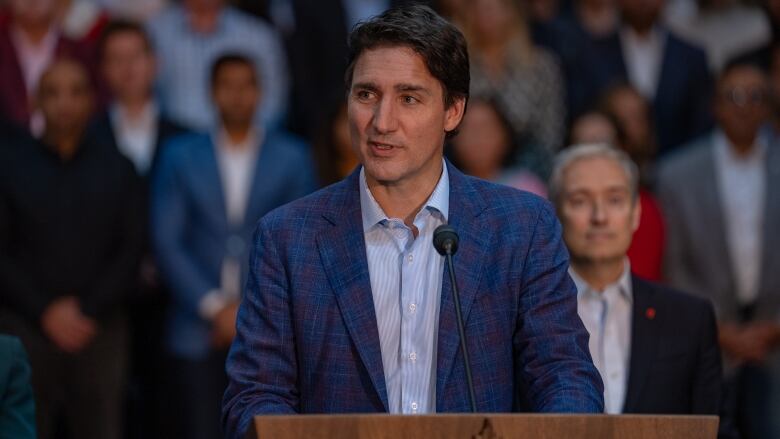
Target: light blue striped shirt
{"x":406,"y":278}
{"x":185,"y":58}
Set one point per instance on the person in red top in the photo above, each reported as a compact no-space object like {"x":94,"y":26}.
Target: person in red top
{"x":29,"y":40}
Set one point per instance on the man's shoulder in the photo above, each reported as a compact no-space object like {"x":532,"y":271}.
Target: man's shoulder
{"x":684,"y":163}
{"x":686,"y":308}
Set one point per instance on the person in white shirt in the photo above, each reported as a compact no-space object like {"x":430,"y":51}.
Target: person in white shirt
{"x":721,"y":199}
{"x":656,"y":349}
{"x":208,"y":192}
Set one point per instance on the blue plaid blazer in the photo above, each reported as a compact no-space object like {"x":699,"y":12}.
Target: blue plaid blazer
{"x":307,"y":337}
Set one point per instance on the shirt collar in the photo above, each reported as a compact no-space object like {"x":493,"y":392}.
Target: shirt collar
{"x":252,"y":142}
{"x":373,"y":214}
{"x":147,"y":116}
{"x":725,"y":154}
{"x":623,"y":283}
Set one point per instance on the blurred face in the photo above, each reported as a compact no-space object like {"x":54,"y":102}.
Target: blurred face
{"x":491,"y":19}
{"x":236,"y":94}
{"x":741,"y":105}
{"x":631,"y":111}
{"x":593,"y":128}
{"x":596,"y":209}
{"x":128,"y":66}
{"x":32,"y":12}
{"x":641,"y":14}
{"x":65,"y":97}
{"x":482,"y":141}
{"x":397,"y":116}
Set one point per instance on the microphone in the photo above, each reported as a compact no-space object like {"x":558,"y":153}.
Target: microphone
{"x":445,"y":241}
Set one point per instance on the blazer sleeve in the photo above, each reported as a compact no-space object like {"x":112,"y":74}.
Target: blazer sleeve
{"x":261,"y":366}
{"x":17,"y":288}
{"x":169,"y":217}
{"x":707,"y":378}
{"x":116,"y":281}
{"x":17,"y":405}
{"x":551,"y":340}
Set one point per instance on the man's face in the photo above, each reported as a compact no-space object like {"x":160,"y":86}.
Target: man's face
{"x":596,"y":209}
{"x":397,"y":116}
{"x":65,"y":97}
{"x":236,"y":93}
{"x":128,"y":65}
{"x":741,"y":106}
{"x":32,"y":12}
{"x":641,"y":14}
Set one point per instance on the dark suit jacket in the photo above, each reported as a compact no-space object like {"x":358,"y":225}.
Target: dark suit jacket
{"x":17,"y":405}
{"x":307,"y":337}
{"x":102,"y":131}
{"x":681,"y":106}
{"x":675,"y":365}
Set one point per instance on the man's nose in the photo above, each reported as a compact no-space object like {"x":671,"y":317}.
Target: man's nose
{"x":385,"y":118}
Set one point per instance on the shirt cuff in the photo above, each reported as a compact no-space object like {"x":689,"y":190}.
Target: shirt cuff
{"x":211,"y":304}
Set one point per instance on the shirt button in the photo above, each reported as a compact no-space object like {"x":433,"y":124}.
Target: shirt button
{"x":413,"y":356}
{"x":412,"y":308}
{"x":613,"y":375}
{"x":414,"y":406}
{"x":411,"y":257}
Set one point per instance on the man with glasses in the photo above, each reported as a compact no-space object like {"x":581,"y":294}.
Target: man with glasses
{"x":721,"y":200}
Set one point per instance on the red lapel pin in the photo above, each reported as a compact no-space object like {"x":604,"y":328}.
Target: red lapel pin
{"x":650,"y":313}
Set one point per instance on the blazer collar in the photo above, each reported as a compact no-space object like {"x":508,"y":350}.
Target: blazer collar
{"x":645,"y":323}
{"x":343,"y":253}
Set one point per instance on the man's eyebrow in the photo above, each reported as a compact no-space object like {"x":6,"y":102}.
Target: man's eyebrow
{"x":412,"y":88}
{"x":365,"y":86}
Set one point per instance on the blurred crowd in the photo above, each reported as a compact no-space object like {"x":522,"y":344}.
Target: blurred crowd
{"x":141,"y":140}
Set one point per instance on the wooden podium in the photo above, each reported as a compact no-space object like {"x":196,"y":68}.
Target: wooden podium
{"x":485,"y":426}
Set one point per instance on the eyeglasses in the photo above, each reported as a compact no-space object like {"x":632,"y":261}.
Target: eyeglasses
{"x":742,"y":97}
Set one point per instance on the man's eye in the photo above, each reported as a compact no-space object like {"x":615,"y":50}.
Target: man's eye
{"x":410,"y":100}
{"x":363,"y":95}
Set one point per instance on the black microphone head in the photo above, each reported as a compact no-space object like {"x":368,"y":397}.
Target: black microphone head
{"x":444,"y":238}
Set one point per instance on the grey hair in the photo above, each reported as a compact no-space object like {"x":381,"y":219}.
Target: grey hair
{"x":575,"y":153}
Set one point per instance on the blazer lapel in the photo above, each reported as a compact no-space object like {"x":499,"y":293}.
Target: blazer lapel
{"x":644,"y":342}
{"x":707,"y":189}
{"x":265,"y":171}
{"x":343,"y":252}
{"x":465,"y":208}
{"x":208,"y":178}
{"x":771,"y":234}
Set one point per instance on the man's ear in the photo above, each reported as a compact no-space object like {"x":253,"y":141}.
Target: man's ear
{"x":454,"y":114}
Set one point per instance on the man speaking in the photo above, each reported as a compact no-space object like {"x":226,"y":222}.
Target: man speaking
{"x":349,"y":307}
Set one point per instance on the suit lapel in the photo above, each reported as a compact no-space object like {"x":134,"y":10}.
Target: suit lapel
{"x":265,"y":170}
{"x":707,"y":189}
{"x":465,"y":207}
{"x":644,"y":341}
{"x":771,"y":234}
{"x":343,"y":252}
{"x":208,"y":180}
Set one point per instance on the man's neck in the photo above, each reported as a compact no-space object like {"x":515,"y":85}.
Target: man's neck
{"x":203,"y":19}
{"x":33,"y":33}
{"x":404,"y":200}
{"x":238,"y":134}
{"x":641,"y":32}
{"x":64,"y":145}
{"x":742,"y":147}
{"x":133,"y":107}
{"x":599,"y":275}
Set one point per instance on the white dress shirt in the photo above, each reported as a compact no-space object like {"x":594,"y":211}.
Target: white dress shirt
{"x":406,"y":281}
{"x":742,"y":190}
{"x":236,"y":163}
{"x":607,"y":317}
{"x":643,"y":56}
{"x":136,"y":137}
